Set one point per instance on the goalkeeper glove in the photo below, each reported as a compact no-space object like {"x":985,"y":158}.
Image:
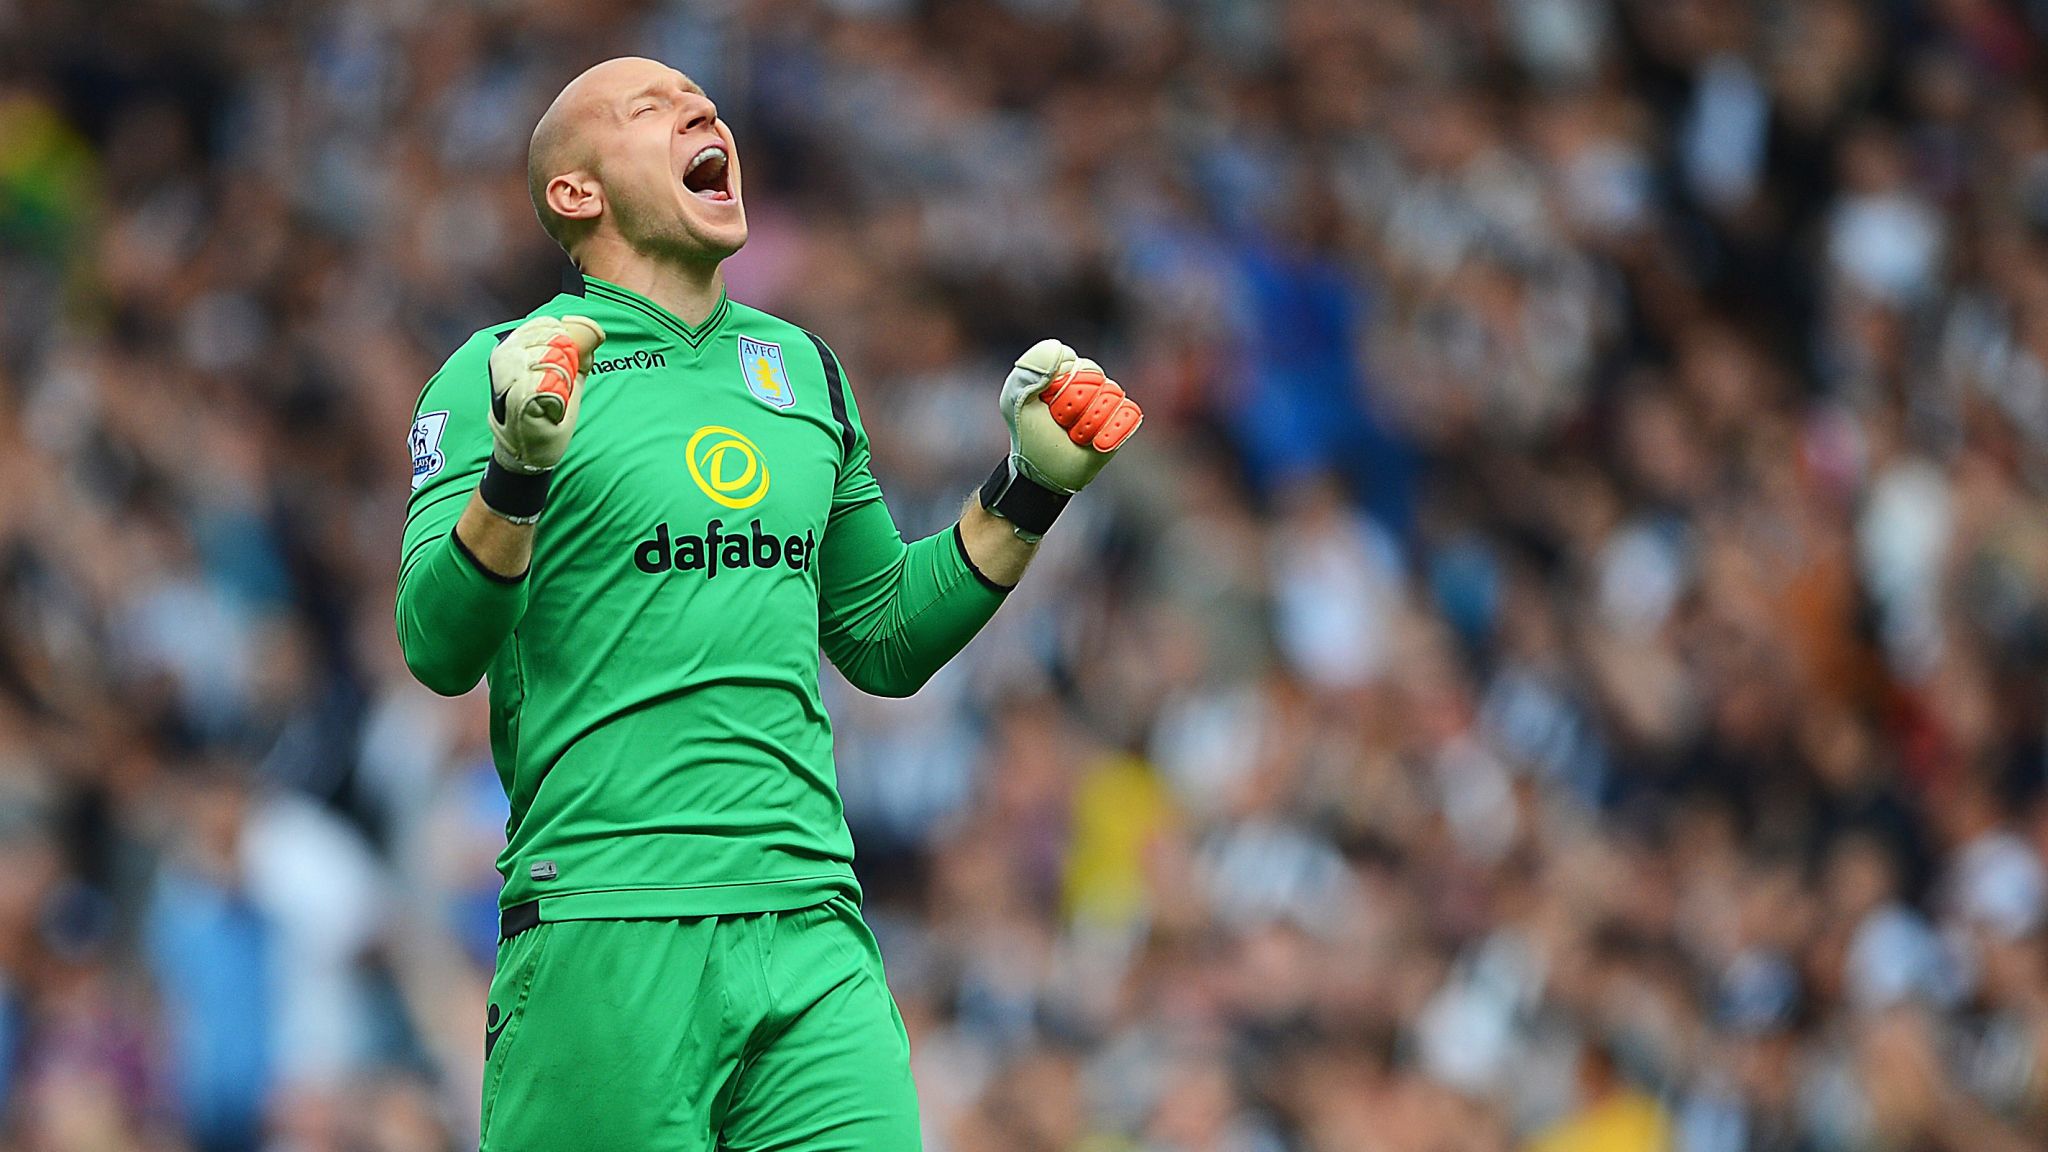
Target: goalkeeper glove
{"x":536,"y":389}
{"x":1066,"y":420}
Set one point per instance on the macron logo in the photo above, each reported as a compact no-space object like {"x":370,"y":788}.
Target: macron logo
{"x":643,"y":358}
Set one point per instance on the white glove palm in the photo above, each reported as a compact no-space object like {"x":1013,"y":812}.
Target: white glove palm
{"x":536,"y":389}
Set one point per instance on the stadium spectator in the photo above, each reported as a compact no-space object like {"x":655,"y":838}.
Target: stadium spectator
{"x":1601,"y":704}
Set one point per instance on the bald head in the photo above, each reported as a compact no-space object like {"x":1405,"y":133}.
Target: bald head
{"x":564,"y":141}
{"x":632,"y":161}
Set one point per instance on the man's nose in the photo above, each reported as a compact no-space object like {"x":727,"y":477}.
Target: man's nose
{"x":699,"y":113}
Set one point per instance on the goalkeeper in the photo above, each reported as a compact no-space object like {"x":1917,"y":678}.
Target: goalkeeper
{"x":682,"y":965}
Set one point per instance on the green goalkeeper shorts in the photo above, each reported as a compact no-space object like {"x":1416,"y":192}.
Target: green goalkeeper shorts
{"x":719,"y":1034}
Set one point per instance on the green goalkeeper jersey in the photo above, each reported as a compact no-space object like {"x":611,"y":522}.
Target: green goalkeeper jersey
{"x":655,"y":714}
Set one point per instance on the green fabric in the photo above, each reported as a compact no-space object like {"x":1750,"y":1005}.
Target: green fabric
{"x":893,"y":615}
{"x":735,"y":1034}
{"x":471,"y":614}
{"x":655,"y":714}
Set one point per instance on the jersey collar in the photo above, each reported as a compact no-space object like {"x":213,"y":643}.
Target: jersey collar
{"x":611,"y":293}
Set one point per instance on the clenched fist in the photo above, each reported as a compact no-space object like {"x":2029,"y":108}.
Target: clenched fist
{"x":1066,"y":417}
{"x":536,"y":389}
{"x":1066,"y":420}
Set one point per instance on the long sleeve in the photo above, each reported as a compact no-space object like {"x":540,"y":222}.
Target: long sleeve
{"x":453,"y":616}
{"x":890,"y":614}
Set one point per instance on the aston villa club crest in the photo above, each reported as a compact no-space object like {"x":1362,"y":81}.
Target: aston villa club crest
{"x":761,"y":367}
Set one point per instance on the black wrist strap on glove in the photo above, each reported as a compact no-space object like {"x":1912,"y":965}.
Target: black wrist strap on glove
{"x":1031,"y":506}
{"x":516,"y":496}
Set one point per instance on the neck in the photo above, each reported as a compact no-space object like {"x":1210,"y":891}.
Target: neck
{"x":690,"y":290}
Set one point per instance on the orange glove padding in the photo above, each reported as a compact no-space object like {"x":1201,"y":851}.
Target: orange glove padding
{"x":1066,"y":417}
{"x":1092,"y":408}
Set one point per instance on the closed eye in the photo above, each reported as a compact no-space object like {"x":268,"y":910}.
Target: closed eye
{"x":642,"y":110}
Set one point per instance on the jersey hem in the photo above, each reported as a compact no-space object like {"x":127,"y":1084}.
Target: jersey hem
{"x":784,"y":895}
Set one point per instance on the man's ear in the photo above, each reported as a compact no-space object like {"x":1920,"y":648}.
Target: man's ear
{"x":576,"y":196}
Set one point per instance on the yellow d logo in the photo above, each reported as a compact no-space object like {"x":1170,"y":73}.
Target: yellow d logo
{"x":727,"y":466}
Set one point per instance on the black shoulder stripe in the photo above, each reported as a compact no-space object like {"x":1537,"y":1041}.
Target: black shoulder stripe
{"x":835,"y":387}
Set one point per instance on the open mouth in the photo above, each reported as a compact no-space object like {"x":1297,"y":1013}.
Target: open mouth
{"x":707,"y":176}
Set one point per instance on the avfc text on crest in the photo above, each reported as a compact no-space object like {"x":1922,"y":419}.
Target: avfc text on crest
{"x":761,"y":367}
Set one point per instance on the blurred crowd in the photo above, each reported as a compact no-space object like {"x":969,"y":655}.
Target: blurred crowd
{"x":1561,"y":670}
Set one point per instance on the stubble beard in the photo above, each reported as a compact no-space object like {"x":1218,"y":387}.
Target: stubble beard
{"x":669,"y":239}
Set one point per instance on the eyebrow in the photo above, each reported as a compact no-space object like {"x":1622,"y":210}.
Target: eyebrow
{"x":660,"y":88}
